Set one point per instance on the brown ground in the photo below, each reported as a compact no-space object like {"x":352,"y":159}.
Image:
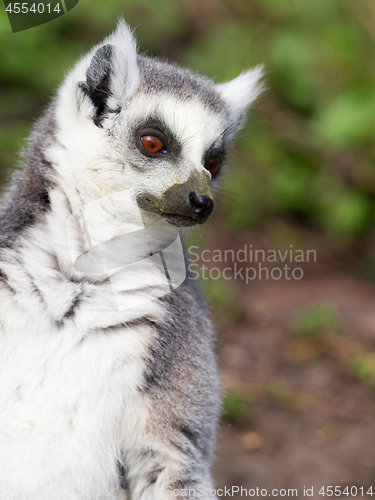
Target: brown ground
{"x":304,"y":412}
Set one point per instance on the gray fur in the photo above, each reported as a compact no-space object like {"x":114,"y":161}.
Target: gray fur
{"x":162,"y":76}
{"x":27,"y":198}
{"x":183,"y":374}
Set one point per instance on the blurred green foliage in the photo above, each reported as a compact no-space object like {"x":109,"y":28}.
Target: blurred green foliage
{"x":364,"y":367}
{"x":236,"y":405}
{"x":283,"y":396}
{"x":320,"y":319}
{"x":308,"y":151}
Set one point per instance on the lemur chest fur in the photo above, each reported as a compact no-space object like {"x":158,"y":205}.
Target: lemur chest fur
{"x":72,"y":396}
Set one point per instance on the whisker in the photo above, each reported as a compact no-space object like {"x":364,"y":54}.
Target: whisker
{"x":233,"y":196}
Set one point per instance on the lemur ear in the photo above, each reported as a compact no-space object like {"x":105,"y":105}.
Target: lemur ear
{"x":240,"y":93}
{"x":97,"y":84}
{"x":125,"y":65}
{"x":112,"y":73}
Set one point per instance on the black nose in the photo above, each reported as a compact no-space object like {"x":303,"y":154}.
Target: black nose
{"x":201,"y":206}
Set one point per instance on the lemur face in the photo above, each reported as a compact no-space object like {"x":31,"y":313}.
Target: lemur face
{"x":164,"y":127}
{"x":176,"y":149}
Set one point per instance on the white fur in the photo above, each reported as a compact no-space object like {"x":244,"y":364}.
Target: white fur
{"x":242,"y":91}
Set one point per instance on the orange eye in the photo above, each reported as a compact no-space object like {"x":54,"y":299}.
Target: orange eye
{"x":213,"y":164}
{"x":152,"y":144}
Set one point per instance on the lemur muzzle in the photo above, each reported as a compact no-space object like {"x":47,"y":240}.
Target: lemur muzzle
{"x":183,"y":204}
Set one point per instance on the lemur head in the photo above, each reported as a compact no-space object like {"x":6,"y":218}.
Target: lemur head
{"x":152,"y":128}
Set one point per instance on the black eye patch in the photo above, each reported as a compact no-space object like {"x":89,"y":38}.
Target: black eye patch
{"x":156,"y":127}
{"x":215,"y":157}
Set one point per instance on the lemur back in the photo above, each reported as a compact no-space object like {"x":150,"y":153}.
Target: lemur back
{"x":109,"y":386}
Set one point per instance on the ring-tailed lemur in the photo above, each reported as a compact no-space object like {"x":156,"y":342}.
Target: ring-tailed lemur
{"x":99,"y":402}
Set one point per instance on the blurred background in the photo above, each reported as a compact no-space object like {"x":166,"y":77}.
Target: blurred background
{"x":297,"y":356}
